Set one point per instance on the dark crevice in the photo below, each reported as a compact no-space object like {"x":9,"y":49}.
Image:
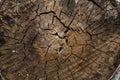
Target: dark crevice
{"x":94,"y":2}
{"x":32,"y":41}
{"x":117,"y":59}
{"x":2,"y":41}
{"x":56,"y":34}
{"x":8,"y":19}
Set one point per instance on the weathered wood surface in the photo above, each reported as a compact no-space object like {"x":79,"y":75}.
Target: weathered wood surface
{"x":59,"y":39}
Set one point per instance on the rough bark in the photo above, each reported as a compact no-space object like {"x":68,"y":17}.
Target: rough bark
{"x":59,"y":39}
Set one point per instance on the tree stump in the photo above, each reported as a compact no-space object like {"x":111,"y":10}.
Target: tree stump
{"x":59,"y":39}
